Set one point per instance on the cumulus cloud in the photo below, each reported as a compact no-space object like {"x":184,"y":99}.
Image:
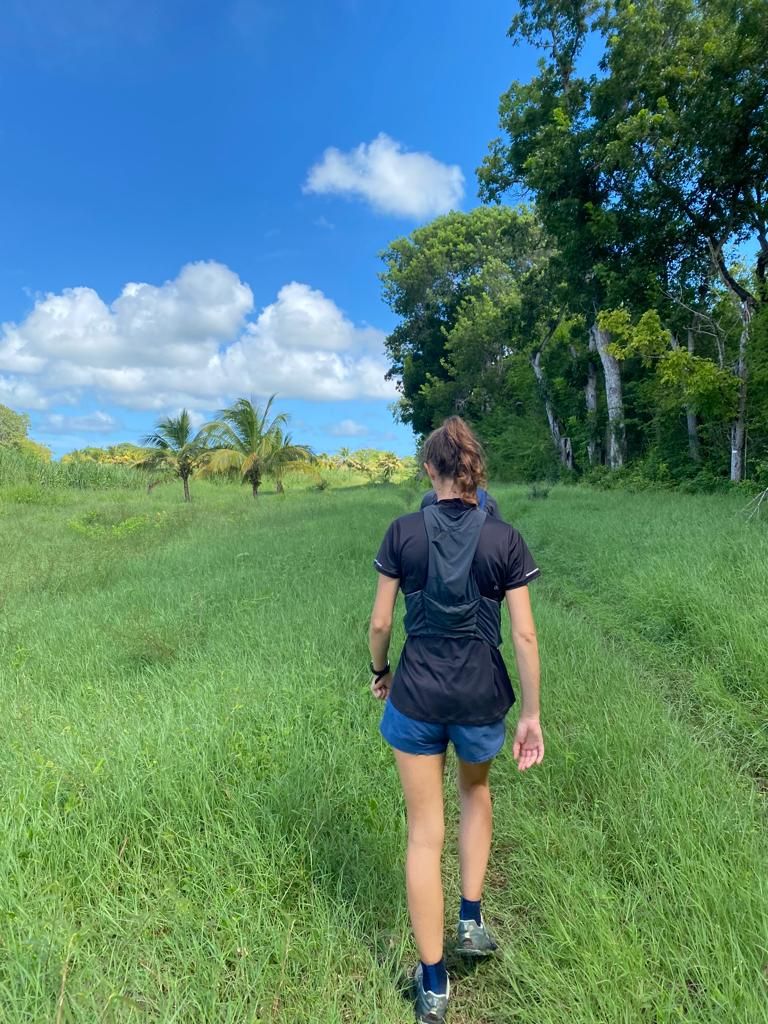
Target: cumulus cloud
{"x":348,"y":428}
{"x":189,"y":342}
{"x":391,"y":179}
{"x":21,"y":394}
{"x":303,"y":318}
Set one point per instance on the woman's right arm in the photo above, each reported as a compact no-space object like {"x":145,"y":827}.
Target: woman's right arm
{"x":529,"y":742}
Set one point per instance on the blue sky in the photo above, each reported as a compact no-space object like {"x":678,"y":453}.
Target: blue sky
{"x":193,"y":197}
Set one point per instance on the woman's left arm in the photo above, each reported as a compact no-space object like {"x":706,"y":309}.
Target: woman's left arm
{"x":380,"y":631}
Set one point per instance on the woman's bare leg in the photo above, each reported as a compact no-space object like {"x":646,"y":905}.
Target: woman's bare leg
{"x":475,"y":828}
{"x":422,"y":780}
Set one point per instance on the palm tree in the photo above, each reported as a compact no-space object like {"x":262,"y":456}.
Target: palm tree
{"x":247,"y":442}
{"x":389,"y":464}
{"x":175,"y":449}
{"x":344,"y":458}
{"x":285,"y":457}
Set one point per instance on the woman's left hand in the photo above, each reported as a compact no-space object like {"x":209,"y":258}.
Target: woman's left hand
{"x":528,"y":748}
{"x":380,"y":687}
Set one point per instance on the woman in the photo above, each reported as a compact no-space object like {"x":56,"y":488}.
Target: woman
{"x":455,"y":565}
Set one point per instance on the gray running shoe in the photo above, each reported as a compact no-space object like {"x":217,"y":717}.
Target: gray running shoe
{"x":473,"y":939}
{"x":430,"y":1007}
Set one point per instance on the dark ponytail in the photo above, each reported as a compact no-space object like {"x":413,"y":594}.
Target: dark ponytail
{"x":455,"y":454}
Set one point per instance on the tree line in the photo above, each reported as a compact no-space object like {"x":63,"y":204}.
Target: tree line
{"x":244,"y":442}
{"x":616,"y":321}
{"x":250,"y":443}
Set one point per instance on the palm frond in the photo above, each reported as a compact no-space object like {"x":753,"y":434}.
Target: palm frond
{"x":285,"y":454}
{"x":264,"y":416}
{"x":242,"y":418}
{"x":219,"y":434}
{"x":220,"y":461}
{"x":163,"y":459}
{"x":155,"y":441}
{"x":279,"y":472}
{"x":172,"y":433}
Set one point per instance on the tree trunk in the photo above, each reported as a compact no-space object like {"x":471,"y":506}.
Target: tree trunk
{"x":590,"y":400}
{"x":693,"y":435}
{"x":279,"y":489}
{"x":747,"y":305}
{"x":694,"y":449}
{"x":738,"y":425}
{"x":185,"y":480}
{"x":566,"y":453}
{"x":590,"y":403}
{"x":612,"y":372}
{"x":562,"y":444}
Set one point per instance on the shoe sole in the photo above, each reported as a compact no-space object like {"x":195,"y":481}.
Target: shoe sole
{"x":475,"y":954}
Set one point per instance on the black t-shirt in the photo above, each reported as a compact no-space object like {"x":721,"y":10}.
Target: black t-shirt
{"x":454,"y":680}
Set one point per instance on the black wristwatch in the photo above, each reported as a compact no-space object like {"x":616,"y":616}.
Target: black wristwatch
{"x":379,"y":674}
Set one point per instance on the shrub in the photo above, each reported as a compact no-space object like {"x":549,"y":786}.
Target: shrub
{"x":538,"y":490}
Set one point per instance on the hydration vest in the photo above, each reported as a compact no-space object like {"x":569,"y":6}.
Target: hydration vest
{"x":450,"y":604}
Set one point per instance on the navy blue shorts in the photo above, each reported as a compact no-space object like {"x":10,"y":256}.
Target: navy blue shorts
{"x":474,"y":744}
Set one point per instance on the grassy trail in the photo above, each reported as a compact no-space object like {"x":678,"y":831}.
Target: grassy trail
{"x":201,"y":826}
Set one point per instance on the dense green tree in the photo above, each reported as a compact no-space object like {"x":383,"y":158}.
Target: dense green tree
{"x":682,"y":109}
{"x":14,"y":427}
{"x":549,"y":151}
{"x":430,"y":280}
{"x":505,"y":319}
{"x":644,"y":174}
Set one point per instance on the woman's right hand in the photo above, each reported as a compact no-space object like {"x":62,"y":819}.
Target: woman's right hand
{"x":528,"y":748}
{"x":380,"y":687}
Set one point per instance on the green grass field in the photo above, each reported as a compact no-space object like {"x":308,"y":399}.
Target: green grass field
{"x":200,"y":824}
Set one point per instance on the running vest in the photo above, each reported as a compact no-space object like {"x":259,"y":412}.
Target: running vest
{"x":451,"y":605}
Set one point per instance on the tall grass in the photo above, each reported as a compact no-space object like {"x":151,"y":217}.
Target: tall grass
{"x":200,"y":823}
{"x":18,"y":470}
{"x":680,"y":581}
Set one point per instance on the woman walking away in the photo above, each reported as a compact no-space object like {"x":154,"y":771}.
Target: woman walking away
{"x":455,"y":565}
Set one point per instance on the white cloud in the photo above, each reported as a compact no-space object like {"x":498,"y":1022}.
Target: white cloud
{"x":93,"y":423}
{"x":389,"y":178}
{"x":188,"y":342}
{"x":20,"y":394}
{"x":196,"y":418}
{"x":348,"y":428}
{"x":303,"y":318}
{"x":90,"y":342}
